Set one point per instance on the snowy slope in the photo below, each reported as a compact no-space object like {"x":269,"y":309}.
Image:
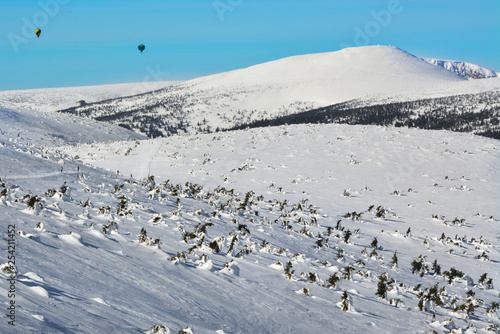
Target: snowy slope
{"x":374,"y":74}
{"x":463,"y":69}
{"x":51,"y":128}
{"x":52,"y":99}
{"x":231,"y":210}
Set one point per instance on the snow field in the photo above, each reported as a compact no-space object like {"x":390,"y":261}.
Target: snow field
{"x":256,"y":231}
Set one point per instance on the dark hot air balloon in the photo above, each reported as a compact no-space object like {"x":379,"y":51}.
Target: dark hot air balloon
{"x":141,"y":47}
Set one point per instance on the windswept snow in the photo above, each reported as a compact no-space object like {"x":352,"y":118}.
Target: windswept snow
{"x":245,"y":231}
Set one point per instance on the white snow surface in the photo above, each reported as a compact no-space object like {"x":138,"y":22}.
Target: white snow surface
{"x":81,"y":267}
{"x":52,"y":99}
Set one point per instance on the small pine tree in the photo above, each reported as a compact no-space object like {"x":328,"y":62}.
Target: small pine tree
{"x":347,"y":272}
{"x":142,"y":236}
{"x":382,"y":286}
{"x":394,"y":261}
{"x":374,"y":243}
{"x":63,"y":188}
{"x":419,"y":266}
{"x":340,"y":253}
{"x":338,"y":227}
{"x":32,"y":200}
{"x":333,"y":280}
{"x":436,"y":268}
{"x":288,"y":270}
{"x":234,"y":240}
{"x":345,"y":302}
{"x":312,"y":277}
{"x":492,"y":308}
{"x":347,"y":235}
{"x":483,"y":283}
{"x":452,"y":274}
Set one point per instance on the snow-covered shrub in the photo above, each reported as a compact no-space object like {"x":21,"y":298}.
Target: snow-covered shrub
{"x":418,"y":265}
{"x":143,"y":239}
{"x":492,"y":309}
{"x":333,"y":281}
{"x":110,"y":225}
{"x":158,"y":329}
{"x":485,"y":284}
{"x":452,"y":274}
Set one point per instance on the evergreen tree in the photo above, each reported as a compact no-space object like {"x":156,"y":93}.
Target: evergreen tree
{"x":347,"y":235}
{"x":436,"y":268}
{"x":382,"y":286}
{"x":345,"y":302}
{"x":394,"y":261}
{"x":288,"y":270}
{"x":333,"y":280}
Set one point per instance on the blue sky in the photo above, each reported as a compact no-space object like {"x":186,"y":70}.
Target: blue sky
{"x":95,"y":42}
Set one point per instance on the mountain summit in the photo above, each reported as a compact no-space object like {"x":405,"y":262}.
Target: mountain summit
{"x":333,"y":76}
{"x":366,"y":64}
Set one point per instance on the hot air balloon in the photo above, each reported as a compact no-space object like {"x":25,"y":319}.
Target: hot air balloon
{"x":38,"y":32}
{"x":141,"y":47}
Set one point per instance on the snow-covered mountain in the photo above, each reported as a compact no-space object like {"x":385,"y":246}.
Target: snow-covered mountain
{"x":369,"y":75}
{"x":463,"y":69}
{"x":293,"y":229}
{"x":52,"y":99}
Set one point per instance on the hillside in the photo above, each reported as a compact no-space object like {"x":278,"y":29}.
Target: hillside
{"x":255,"y":231}
{"x":373,"y":75}
{"x":473,"y":113}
